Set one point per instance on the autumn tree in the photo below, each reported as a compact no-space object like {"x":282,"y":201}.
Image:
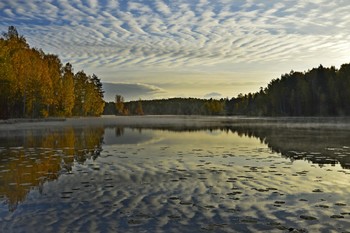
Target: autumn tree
{"x":7,"y":80}
{"x":88,"y":95}
{"x":139,"y":109}
{"x":56,"y":99}
{"x":35,"y":84}
{"x":214,"y":107}
{"x":119,"y":104}
{"x":98,"y":94}
{"x":68,"y":90}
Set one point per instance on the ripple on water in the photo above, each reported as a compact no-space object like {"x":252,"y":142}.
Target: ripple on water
{"x":337,"y":216}
{"x":308,"y":217}
{"x":158,"y":187}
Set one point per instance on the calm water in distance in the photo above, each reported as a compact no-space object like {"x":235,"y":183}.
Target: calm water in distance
{"x":175,"y":180}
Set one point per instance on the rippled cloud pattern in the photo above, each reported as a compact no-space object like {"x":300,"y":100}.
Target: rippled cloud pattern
{"x":139,"y":35}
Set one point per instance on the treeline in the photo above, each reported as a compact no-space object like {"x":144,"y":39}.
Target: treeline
{"x":317,"y":92}
{"x":36,"y":84}
{"x":172,"y":106}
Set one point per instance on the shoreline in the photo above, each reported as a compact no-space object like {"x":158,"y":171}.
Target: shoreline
{"x":29,"y":120}
{"x":178,"y":121}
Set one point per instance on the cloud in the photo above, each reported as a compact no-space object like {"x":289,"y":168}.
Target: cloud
{"x":214,"y":95}
{"x":130,"y":91}
{"x":178,"y":33}
{"x":9,"y":12}
{"x":188,"y":35}
{"x":162,"y":7}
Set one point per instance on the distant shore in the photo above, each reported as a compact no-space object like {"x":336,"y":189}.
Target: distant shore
{"x":164,"y":121}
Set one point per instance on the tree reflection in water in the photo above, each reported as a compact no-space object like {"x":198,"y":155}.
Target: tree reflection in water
{"x":31,"y":158}
{"x":315,"y":145}
{"x":319,"y":146}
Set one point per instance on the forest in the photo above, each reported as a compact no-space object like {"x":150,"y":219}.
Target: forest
{"x":36,"y":84}
{"x":317,"y":92}
{"x":172,"y":106}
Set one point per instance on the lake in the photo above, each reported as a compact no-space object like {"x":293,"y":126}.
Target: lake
{"x":174,"y":179}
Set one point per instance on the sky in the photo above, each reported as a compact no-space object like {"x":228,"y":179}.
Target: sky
{"x":152,"y":49}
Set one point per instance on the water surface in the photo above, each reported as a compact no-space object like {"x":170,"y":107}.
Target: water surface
{"x":228,"y":179}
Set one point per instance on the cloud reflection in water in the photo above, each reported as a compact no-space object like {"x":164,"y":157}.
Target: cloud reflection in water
{"x":185,"y":181}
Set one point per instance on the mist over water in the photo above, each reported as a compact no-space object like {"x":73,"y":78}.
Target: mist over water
{"x":218,"y":179}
